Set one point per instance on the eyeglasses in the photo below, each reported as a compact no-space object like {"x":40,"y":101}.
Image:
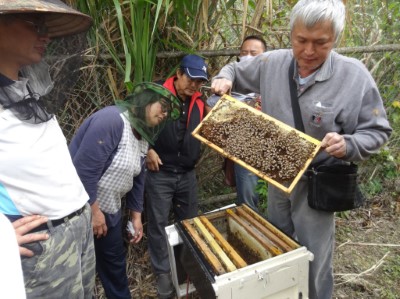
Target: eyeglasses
{"x":40,"y":28}
{"x":173,"y":112}
{"x":165,"y":106}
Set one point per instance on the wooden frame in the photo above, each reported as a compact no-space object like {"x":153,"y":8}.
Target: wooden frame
{"x":261,"y":236}
{"x":228,"y":100}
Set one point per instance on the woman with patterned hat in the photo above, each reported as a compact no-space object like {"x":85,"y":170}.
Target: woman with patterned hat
{"x":108,"y":151}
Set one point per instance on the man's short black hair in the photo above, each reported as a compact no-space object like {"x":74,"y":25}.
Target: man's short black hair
{"x":256,"y":37}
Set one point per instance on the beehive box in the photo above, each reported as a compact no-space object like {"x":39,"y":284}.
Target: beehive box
{"x":236,"y":253}
{"x":262,"y":144}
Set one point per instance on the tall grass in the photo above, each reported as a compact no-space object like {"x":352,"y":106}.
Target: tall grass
{"x":133,"y":31}
{"x":128,"y":28}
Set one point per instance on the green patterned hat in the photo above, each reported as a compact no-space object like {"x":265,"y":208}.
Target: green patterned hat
{"x":143,"y":95}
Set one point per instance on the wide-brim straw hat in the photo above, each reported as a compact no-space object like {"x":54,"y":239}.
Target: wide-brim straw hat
{"x":60,"y":19}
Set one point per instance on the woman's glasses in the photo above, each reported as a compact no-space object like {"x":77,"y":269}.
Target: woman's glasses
{"x":172,"y":112}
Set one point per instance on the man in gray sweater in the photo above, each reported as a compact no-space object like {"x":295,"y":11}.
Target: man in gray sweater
{"x":340,"y":105}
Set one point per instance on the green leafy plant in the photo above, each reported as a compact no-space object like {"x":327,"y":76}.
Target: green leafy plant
{"x":262,"y":191}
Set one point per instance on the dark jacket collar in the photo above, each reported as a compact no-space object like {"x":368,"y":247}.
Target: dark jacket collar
{"x":4,"y":81}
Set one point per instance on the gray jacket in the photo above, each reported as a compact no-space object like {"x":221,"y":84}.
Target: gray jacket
{"x":342,"y":97}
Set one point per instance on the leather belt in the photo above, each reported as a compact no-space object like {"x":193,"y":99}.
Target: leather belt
{"x":57,"y":222}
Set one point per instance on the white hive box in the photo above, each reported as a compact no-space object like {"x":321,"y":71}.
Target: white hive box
{"x":274,"y":275}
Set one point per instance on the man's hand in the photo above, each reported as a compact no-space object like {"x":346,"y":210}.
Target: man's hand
{"x":136,"y":218}
{"x":153,"y":161}
{"x":98,"y":221}
{"x":221,"y":86}
{"x":334,"y":145}
{"x":24,"y":225}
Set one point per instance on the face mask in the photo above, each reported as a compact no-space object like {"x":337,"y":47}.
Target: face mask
{"x":245,"y":58}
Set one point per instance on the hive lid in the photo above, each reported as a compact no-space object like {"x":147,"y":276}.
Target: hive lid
{"x":284,"y":152}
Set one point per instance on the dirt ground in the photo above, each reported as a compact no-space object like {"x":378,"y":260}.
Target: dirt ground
{"x":367,"y":256}
{"x":366,"y":261}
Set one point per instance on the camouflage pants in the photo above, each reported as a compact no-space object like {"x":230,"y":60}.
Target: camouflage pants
{"x":64,"y":265}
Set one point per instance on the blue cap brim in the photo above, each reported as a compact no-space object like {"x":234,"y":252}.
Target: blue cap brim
{"x":195,"y":73}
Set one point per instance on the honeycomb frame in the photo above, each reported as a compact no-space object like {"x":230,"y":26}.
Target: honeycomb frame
{"x":224,"y":111}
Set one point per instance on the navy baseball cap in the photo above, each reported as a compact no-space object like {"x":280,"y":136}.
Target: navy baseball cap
{"x":195,"y":67}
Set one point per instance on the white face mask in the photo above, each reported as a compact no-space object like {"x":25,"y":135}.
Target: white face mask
{"x":247,"y":57}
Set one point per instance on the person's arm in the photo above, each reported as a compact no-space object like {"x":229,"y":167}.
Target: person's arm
{"x":245,"y":74}
{"x":92,"y":150}
{"x":93,"y":146}
{"x":136,"y":219}
{"x":370,"y":133}
{"x":153,"y":161}
{"x":98,"y":221}
{"x":373,"y":128}
{"x":134,"y":202}
{"x":221,"y":85}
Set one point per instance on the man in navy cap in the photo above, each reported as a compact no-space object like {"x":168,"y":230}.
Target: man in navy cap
{"x":171,"y":177}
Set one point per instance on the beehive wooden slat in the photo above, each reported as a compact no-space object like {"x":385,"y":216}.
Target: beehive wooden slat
{"x":272,"y":228}
{"x":235,"y":238}
{"x":222,"y":112}
{"x":269,"y":234}
{"x":236,"y":258}
{"x":218,"y":251}
{"x":255,"y":233}
{"x":248,"y":244}
{"x":209,"y":255}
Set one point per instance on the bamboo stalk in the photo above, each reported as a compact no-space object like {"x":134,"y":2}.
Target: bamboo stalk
{"x":236,"y":52}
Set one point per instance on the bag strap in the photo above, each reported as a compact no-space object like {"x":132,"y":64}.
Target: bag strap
{"x":298,"y":121}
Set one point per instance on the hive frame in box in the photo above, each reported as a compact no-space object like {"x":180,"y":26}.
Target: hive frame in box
{"x":173,"y":240}
{"x":283,"y":276}
{"x":228,"y":100}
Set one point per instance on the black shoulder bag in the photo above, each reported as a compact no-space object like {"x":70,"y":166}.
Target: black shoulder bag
{"x":331,"y":188}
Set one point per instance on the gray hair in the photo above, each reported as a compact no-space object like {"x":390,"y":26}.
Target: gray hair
{"x":311,"y":12}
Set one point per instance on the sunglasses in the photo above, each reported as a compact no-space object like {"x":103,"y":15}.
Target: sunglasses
{"x":39,"y":25}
